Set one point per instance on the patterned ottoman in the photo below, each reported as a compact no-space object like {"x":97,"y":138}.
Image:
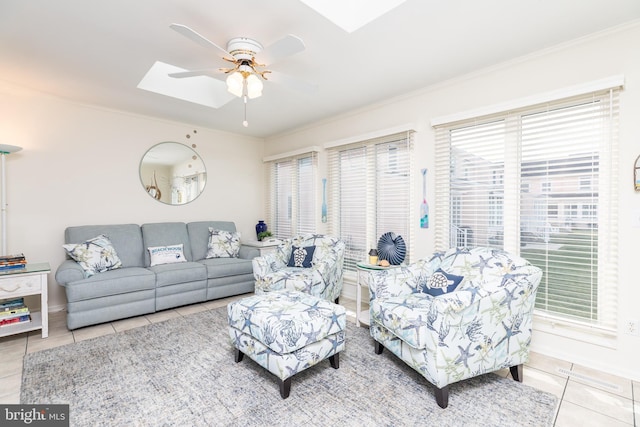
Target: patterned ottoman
{"x":287,"y":332}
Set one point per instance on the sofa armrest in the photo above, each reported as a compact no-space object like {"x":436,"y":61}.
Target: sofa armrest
{"x":248,"y":252}
{"x":69,"y":271}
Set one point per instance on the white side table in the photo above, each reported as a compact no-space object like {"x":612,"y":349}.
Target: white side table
{"x":31,"y":280}
{"x":265,"y":246}
{"x":364,"y":270}
{"x":362,"y":317}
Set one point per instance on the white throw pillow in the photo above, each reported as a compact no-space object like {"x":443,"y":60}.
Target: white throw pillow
{"x":166,"y":254}
{"x":223,"y":244}
{"x":95,"y":255}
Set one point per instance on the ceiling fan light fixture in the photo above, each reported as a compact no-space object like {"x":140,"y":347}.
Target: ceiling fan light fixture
{"x":235,"y":83}
{"x":254,"y":86}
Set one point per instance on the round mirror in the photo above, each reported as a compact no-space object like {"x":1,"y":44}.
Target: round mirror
{"x":172,"y":173}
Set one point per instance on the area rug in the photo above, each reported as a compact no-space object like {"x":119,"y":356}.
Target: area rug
{"x":182,"y":372}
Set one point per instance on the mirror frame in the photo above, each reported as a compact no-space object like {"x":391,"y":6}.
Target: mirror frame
{"x":157,"y":171}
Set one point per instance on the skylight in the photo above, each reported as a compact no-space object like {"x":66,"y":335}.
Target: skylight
{"x":199,"y":89}
{"x":352,"y":14}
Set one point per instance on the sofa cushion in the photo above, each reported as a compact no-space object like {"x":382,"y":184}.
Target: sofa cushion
{"x":166,"y":254}
{"x":125,"y":238}
{"x":223,"y":244}
{"x":94,"y":255}
{"x":112,"y":282}
{"x":199,"y":235}
{"x":224,"y":267}
{"x":301,"y":256}
{"x":183,"y":272}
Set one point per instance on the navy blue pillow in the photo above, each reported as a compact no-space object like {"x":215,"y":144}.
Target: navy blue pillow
{"x":441,"y":283}
{"x":301,"y":257}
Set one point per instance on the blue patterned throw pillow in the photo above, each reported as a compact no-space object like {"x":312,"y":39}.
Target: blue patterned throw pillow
{"x":441,"y":283}
{"x":301,"y":257}
{"x":223,"y":244}
{"x":95,"y":255}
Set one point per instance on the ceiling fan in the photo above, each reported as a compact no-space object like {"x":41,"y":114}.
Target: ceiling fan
{"x":240,"y":68}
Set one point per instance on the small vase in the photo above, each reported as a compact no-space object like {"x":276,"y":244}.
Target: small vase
{"x":261,"y":227}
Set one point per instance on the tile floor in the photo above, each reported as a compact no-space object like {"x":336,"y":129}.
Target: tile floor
{"x":587,"y":397}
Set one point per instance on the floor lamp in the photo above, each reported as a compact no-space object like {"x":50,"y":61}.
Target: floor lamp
{"x":4,"y":150}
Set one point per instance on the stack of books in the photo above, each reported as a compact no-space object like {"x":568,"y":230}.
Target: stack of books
{"x":14,"y":311}
{"x":10,"y":262}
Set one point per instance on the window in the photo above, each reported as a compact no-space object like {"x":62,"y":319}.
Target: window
{"x":557,"y":151}
{"x":585,"y":183}
{"x":369,"y":192}
{"x":291,"y":207}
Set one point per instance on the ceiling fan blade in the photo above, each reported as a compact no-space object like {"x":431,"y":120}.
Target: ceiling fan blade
{"x":198,"y":38}
{"x":216,"y":74}
{"x":199,"y":90}
{"x":292,"y":82}
{"x":280,"y":49}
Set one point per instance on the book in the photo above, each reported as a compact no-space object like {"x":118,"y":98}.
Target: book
{"x":13,"y":316}
{"x":12,"y":258}
{"x":12,"y":311}
{"x":14,"y":320}
{"x":16,"y":302}
{"x":5,"y":267}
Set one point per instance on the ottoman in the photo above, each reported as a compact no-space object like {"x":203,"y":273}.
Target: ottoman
{"x":287,"y":332}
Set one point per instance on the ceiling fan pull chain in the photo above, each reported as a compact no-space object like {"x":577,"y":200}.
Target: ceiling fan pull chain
{"x":245,"y":123}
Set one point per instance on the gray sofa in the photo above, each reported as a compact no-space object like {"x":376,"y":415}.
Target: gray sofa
{"x":138,"y":288}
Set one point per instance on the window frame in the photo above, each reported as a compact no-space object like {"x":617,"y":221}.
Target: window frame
{"x":300,"y":208}
{"x":376,"y":171}
{"x":607,"y":324}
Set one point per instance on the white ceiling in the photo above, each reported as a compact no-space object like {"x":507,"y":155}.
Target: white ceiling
{"x":97,"y":51}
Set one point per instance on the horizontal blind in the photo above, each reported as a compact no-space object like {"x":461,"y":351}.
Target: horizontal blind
{"x":369,"y":192}
{"x":539,"y":181}
{"x":292,"y":199}
{"x":306,"y":194}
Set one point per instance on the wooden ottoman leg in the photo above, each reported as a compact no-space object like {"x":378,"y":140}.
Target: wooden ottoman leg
{"x":285,"y":387}
{"x":442,"y":396}
{"x":379,"y":347}
{"x":335,"y":361}
{"x":239,"y":356}
{"x":516,"y":372}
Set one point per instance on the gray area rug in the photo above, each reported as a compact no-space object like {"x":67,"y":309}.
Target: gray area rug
{"x":182,"y":372}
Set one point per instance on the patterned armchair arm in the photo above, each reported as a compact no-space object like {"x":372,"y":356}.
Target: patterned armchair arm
{"x":327,"y":276}
{"x":402,"y":280}
{"x":267,"y":264}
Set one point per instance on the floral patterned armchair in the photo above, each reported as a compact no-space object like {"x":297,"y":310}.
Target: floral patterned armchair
{"x":482,"y":325}
{"x":318,"y":273}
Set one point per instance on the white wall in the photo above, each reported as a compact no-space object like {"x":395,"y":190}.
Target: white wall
{"x":589,"y":59}
{"x":79,"y":165}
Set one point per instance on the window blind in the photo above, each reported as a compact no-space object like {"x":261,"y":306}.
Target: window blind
{"x":540,"y":182}
{"x":291,"y":204}
{"x":370,"y":193}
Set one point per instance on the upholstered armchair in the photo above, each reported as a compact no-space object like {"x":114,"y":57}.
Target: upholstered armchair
{"x":460,"y":314}
{"x":309,"y":263}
